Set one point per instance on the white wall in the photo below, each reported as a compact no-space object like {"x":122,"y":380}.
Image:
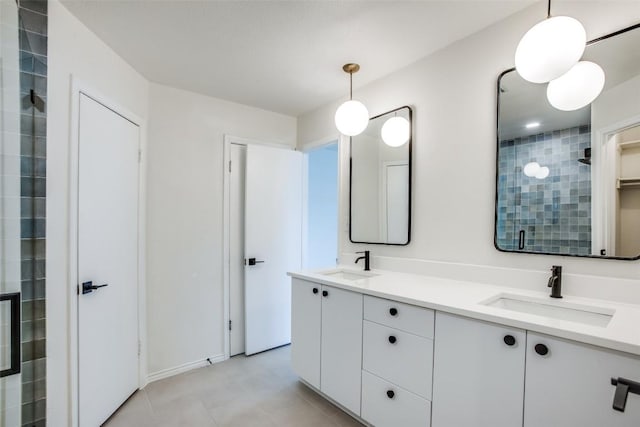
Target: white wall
{"x":73,"y":50}
{"x":453,"y":93}
{"x":184,"y":221}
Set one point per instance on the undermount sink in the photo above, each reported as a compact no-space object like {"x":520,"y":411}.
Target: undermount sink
{"x":348,"y":274}
{"x":585,"y":314}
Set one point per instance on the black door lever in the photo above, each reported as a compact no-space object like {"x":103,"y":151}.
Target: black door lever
{"x":253,"y":261}
{"x":88,"y":287}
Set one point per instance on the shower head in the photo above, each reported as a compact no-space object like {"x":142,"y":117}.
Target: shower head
{"x":587,"y":157}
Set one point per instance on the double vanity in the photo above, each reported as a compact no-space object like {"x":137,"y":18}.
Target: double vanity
{"x":397,"y":349}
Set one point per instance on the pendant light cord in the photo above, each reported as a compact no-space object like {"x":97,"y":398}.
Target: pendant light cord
{"x":549,"y":9}
{"x":350,"y":86}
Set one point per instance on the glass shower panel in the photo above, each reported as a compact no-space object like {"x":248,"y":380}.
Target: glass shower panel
{"x":10,"y":265}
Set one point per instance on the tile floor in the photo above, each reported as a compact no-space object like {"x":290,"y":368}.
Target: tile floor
{"x":260,"y":390}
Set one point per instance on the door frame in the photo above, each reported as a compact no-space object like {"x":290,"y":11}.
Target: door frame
{"x":226,"y":223}
{"x":79,"y":87}
{"x":602,"y":172}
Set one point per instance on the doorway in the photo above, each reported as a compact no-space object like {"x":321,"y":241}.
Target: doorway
{"x":321,"y":207}
{"x":263,"y":229}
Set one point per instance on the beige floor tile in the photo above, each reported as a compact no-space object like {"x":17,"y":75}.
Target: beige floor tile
{"x":259,"y":390}
{"x":184,"y":412}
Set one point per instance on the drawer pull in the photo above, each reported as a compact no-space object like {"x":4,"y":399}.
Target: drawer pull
{"x":393,"y":311}
{"x":541,"y":349}
{"x":315,"y":290}
{"x":623,"y":388}
{"x":390,"y":394}
{"x":509,"y":340}
{"x":325,"y":293}
{"x":392,"y":339}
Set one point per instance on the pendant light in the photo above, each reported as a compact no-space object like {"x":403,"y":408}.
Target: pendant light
{"x":577,"y":88}
{"x":395,"y":131}
{"x":550,"y":48}
{"x":352,"y":116}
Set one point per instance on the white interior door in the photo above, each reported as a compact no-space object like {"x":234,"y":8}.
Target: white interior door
{"x":107,"y":255}
{"x":236,"y":249}
{"x":273,"y":237}
{"x":397,"y":202}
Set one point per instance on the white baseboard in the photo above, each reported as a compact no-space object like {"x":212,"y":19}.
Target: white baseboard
{"x":169,"y":372}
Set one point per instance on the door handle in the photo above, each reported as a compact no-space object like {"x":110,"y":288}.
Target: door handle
{"x":253,"y":261}
{"x":88,"y":287}
{"x":13,"y":299}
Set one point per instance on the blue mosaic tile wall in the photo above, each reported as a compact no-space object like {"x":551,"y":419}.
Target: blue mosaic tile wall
{"x":555,"y":212}
{"x":33,"y":21}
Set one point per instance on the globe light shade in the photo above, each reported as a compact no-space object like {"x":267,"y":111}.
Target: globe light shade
{"x":550,"y":48}
{"x":543,"y":172}
{"x":395,"y":131}
{"x":531,"y":169}
{"x":352,"y":118}
{"x":579,"y":87}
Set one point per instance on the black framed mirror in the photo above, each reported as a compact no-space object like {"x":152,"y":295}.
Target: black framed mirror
{"x":380,"y":180}
{"x":568,"y":182}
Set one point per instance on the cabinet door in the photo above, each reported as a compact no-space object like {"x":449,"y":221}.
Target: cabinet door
{"x":341,"y":347}
{"x":305,"y":330}
{"x":478,"y":378}
{"x":570,"y":386}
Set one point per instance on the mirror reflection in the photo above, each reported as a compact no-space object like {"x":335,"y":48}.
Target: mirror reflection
{"x":380,"y":197}
{"x":568,"y":183}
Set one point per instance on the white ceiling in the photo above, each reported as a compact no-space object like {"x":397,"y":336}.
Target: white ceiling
{"x":283,"y":56}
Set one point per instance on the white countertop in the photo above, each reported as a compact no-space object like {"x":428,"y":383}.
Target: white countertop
{"x":622,"y":333}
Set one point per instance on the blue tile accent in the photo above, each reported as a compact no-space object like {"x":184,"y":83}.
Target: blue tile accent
{"x":555,"y":212}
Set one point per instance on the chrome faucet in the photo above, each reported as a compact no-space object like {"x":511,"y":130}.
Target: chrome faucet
{"x":555,"y":281}
{"x":366,"y":259}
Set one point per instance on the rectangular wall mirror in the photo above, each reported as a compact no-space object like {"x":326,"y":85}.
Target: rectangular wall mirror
{"x":380,"y":180}
{"x":568,"y":183}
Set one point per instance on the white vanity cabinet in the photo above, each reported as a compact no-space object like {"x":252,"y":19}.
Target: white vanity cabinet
{"x":326,"y":340}
{"x":397,"y":363}
{"x":569,"y":384}
{"x":306,"y":303}
{"x":478,"y":377}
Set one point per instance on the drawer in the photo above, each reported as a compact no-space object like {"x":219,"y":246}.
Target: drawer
{"x":397,"y":408}
{"x":406,"y":317}
{"x":407,"y":362}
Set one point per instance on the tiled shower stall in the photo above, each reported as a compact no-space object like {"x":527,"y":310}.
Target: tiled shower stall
{"x":552,"y":214}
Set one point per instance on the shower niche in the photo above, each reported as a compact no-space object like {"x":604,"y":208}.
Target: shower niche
{"x":568,"y":182}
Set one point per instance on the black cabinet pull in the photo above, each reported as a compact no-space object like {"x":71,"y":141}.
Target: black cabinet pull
{"x":392,"y":339}
{"x":390,"y":394}
{"x":393,"y":311}
{"x":541,"y":349}
{"x":325,"y":293}
{"x":623,"y":388}
{"x":509,"y":340}
{"x":315,"y":290}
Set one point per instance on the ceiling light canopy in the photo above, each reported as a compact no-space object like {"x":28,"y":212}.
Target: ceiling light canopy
{"x":396,"y":131}
{"x":577,"y":88}
{"x":352,"y":117}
